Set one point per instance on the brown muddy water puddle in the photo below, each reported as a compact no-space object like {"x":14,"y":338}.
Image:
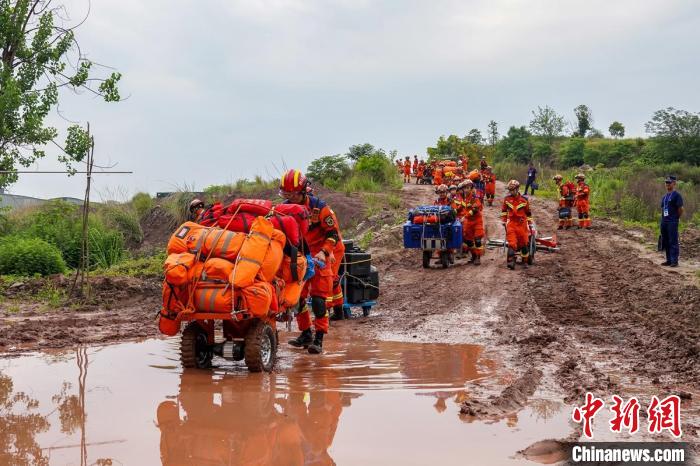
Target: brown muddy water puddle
{"x":360,"y":403}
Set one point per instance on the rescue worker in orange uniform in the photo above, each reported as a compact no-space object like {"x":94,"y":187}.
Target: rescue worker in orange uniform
{"x":517,"y":219}
{"x":470,"y":211}
{"x":483,"y":163}
{"x":420,"y":171}
{"x":415,"y":165}
{"x":583,"y":206}
{"x":437,"y":175}
{"x":399,"y":166}
{"x":325,"y":244}
{"x":464,"y":162}
{"x":197,"y":208}
{"x":407,"y":170}
{"x":453,"y":192}
{"x":443,"y":195}
{"x":489,"y":179}
{"x":566,"y":202}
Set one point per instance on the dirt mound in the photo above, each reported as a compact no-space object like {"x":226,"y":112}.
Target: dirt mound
{"x":511,"y":399}
{"x":120,"y":309}
{"x":157,"y":227}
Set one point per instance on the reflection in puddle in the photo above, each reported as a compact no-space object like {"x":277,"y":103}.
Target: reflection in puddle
{"x":371,"y":403}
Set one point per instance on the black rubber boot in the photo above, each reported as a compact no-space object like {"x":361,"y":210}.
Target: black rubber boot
{"x":317,"y":346}
{"x":476,"y":259}
{"x":303,"y":340}
{"x":338,"y":313}
{"x":510,"y":260}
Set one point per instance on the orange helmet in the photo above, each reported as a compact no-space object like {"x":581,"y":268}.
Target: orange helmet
{"x":557,"y":177}
{"x":474,"y":175}
{"x":513,"y":185}
{"x":293,"y":181}
{"x":580,"y":176}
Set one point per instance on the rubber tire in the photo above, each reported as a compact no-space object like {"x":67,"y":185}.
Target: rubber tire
{"x":365,"y":310}
{"x":533,"y":250}
{"x":253,"y":344}
{"x":427,"y":255}
{"x":190,"y":355}
{"x":445,"y":259}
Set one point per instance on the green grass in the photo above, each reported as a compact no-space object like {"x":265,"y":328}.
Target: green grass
{"x":51,"y":295}
{"x":141,"y":267}
{"x":366,"y":239}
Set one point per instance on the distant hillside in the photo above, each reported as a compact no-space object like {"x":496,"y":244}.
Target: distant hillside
{"x":15,"y":201}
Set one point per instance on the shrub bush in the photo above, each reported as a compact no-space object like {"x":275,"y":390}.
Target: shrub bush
{"x":142,"y":203}
{"x":106,"y":247}
{"x":29,"y":256}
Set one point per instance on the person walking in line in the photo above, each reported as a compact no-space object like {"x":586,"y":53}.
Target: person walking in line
{"x":531,"y":177}
{"x":671,"y":211}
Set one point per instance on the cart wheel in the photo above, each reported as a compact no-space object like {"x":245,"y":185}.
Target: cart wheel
{"x":365,"y":310}
{"x":260,"y":350}
{"x":427,"y":255}
{"x":195,"y":350}
{"x":533,"y":249}
{"x":445,"y":259}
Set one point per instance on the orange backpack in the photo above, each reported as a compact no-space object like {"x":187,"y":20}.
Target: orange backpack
{"x":177,"y":268}
{"x":273,"y":259}
{"x":258,"y":298}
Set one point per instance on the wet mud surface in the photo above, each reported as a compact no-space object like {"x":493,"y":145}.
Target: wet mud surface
{"x":369,"y":403}
{"x":600,"y":316}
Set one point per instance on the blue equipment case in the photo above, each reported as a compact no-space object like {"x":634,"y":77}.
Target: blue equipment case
{"x":428,"y":236}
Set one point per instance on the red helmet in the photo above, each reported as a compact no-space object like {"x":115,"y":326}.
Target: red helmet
{"x":293,"y":181}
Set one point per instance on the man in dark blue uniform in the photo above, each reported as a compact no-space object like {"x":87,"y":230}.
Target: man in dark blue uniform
{"x":671,"y":211}
{"x":531,"y":177}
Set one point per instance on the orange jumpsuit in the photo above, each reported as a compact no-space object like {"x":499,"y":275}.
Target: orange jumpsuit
{"x":465,"y":164}
{"x":469,"y":209}
{"x":420,"y":171}
{"x":583,"y":193}
{"x":437,"y":176}
{"x":323,"y":235}
{"x":564,"y":193}
{"x":489,"y":186}
{"x":516,"y":215}
{"x":407,"y":171}
{"x":415,"y":166}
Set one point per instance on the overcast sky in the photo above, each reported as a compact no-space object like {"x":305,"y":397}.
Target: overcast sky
{"x":221,"y":90}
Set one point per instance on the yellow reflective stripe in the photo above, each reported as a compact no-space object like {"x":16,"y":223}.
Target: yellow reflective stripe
{"x":509,"y":205}
{"x":521,"y":205}
{"x":296,"y":178}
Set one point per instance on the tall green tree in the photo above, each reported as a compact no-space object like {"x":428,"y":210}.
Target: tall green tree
{"x":450,"y":146}
{"x":617,"y":129}
{"x":39,"y":56}
{"x":547,"y":123}
{"x":329,"y":169}
{"x":516,"y":145}
{"x":584,"y":119}
{"x":493,"y":133}
{"x":676,"y":135}
{"x":474,"y":136}
{"x":355,"y":152}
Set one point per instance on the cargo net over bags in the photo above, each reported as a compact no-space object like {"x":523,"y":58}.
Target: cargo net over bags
{"x":245,"y":259}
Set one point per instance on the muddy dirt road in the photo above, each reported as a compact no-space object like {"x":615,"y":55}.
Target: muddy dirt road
{"x":599,"y":316}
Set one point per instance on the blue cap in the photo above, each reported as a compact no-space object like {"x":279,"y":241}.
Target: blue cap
{"x":670,"y":179}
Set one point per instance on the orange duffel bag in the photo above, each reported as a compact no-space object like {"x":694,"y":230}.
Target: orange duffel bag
{"x":252,"y":253}
{"x":273,"y":259}
{"x":213,"y":297}
{"x":178,"y":267}
{"x":290,"y":294}
{"x":172,"y":304}
{"x":288,"y":273}
{"x":258,"y":298}
{"x":189,"y":237}
{"x":223,"y":244}
{"x":217,"y":270}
